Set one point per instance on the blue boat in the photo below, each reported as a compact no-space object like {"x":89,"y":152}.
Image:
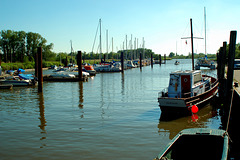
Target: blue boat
{"x":26,"y":76}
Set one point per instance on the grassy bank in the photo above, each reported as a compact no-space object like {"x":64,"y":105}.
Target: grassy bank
{"x":28,"y":65}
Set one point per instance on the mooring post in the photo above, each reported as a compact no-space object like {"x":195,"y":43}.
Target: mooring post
{"x":231,"y":56}
{"x":79,"y":63}
{"x":164,"y":58}
{"x":160,"y":59}
{"x":151,"y":60}
{"x":40,"y":74}
{"x":140,"y":61}
{"x":122,"y":61}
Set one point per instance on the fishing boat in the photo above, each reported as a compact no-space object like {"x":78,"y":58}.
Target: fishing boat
{"x":197,"y":143}
{"x":187,"y":88}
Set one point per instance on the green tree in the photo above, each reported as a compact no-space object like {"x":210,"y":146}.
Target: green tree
{"x":171,"y":54}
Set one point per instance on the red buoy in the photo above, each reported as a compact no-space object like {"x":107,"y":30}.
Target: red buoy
{"x":194,"y":109}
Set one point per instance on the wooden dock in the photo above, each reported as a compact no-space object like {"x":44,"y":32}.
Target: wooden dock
{"x":63,"y":79}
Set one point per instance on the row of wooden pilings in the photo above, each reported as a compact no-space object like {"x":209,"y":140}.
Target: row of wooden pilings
{"x":38,"y":68}
{"x":226,"y":84}
{"x":229,"y":98}
{"x":39,"y":73}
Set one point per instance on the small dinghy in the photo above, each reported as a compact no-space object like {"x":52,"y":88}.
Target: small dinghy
{"x":197,"y":143}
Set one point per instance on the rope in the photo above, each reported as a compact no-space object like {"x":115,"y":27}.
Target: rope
{"x":229,"y":114}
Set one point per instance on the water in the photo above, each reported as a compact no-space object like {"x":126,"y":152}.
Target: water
{"x":112,"y":116}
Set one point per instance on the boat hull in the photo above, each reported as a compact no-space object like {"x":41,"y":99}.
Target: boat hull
{"x":197,"y":143}
{"x":181,"y":105}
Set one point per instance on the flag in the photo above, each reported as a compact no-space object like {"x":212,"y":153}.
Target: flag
{"x":186,"y":42}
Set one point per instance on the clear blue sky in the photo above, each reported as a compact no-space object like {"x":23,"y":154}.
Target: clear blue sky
{"x":162,"y":23}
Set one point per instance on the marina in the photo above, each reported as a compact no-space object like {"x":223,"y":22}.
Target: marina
{"x":111,"y":114}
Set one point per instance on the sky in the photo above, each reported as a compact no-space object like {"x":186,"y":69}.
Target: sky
{"x":160,"y":23}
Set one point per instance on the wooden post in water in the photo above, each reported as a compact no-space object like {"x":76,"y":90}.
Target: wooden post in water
{"x":160,"y":59}
{"x":164,"y":58}
{"x":140,"y":61}
{"x":40,"y":74}
{"x":152,"y":60}
{"x":231,"y":56}
{"x":122,"y":62}
{"x":79,"y":63}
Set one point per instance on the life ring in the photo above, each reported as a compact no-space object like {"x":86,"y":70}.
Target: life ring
{"x":185,"y":80}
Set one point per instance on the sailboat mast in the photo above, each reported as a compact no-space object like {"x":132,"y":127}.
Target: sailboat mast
{"x":192,"y":44}
{"x":205,"y":30}
{"x":100,"y":39}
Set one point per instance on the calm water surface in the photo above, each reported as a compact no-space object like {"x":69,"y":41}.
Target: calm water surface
{"x":112,"y":116}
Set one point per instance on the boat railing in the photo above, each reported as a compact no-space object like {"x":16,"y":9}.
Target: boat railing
{"x":163,"y":93}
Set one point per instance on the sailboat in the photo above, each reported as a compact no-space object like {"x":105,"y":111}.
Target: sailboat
{"x":205,"y":62}
{"x":187,"y":89}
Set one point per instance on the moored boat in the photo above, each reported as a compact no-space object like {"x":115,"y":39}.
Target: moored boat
{"x":17,"y":81}
{"x":187,"y":88}
{"x":197,"y":143}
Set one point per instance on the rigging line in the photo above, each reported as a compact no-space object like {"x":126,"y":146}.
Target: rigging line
{"x":230,"y":109}
{"x":95,"y":37}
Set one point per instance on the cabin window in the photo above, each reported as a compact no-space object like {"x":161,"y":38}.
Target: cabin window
{"x":197,"y":78}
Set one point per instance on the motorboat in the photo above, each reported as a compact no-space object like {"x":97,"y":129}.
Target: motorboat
{"x":185,"y":89}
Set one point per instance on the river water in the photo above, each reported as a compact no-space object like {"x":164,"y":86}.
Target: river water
{"x":112,"y":116}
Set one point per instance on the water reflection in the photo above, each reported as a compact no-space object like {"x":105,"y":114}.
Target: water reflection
{"x":80,"y":105}
{"x":199,"y":120}
{"x":80,"y":95}
{"x":42,"y":117}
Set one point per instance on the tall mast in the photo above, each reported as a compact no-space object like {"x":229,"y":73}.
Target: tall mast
{"x":100,"y":39}
{"x":205,"y":30}
{"x":107,"y":43}
{"x":192,"y":44}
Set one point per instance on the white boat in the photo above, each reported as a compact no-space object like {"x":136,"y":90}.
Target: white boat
{"x":187,"y":88}
{"x":62,"y":75}
{"x":115,"y":67}
{"x":16,"y":81}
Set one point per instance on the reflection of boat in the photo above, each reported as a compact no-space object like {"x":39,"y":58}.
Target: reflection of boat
{"x":177,"y":63}
{"x":197,"y":143}
{"x":187,"y":88}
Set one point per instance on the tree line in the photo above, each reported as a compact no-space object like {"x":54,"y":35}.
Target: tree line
{"x":19,"y":46}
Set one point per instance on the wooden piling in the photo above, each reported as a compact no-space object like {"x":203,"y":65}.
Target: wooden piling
{"x":122,"y":62}
{"x":152,"y":60}
{"x":40,"y":74}
{"x":140,"y":61}
{"x":160,"y":59}
{"x":79,"y":63}
{"x":165,"y":58}
{"x":231,"y":56}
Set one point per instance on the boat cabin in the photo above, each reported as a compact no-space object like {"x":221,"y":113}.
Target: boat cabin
{"x":183,"y":84}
